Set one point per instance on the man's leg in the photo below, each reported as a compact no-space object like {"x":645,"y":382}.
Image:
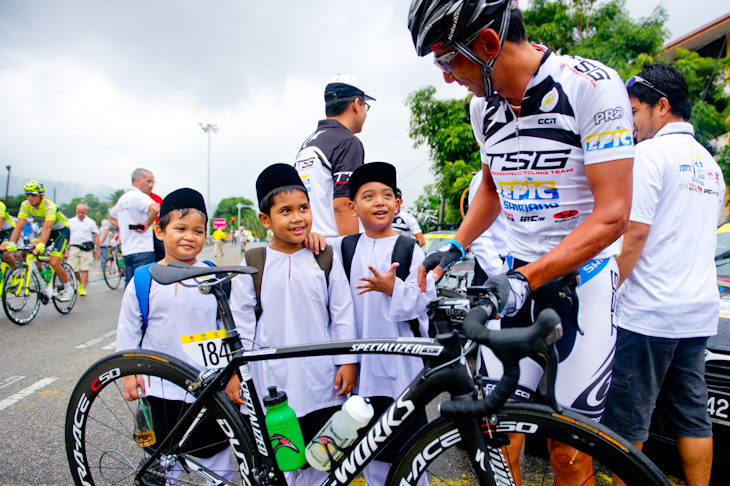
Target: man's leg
{"x":55,"y":262}
{"x":696,"y":455}
{"x":135,"y":260}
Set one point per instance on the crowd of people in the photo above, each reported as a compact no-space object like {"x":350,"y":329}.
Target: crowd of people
{"x":573,"y":160}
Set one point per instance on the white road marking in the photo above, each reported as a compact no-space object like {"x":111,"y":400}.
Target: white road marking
{"x":12,"y":400}
{"x":111,"y":345}
{"x":96,"y":340}
{"x":10,"y":380}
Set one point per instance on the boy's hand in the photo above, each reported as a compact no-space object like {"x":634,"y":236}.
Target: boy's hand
{"x":346,"y":379}
{"x":379,"y":282}
{"x":233,"y":390}
{"x":315,"y":243}
{"x":133,"y":387}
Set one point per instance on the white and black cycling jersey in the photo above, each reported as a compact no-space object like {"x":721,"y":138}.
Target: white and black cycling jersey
{"x":404,"y":223}
{"x":574,"y":112}
{"x":325,"y":163}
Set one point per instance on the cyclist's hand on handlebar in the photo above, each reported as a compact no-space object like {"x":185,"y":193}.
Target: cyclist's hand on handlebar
{"x":439,"y":261}
{"x":39,"y":249}
{"x":512,"y":290}
{"x":233,"y":390}
{"x":133,"y":387}
{"x":346,"y":379}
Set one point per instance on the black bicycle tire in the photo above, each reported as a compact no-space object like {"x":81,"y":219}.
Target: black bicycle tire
{"x":59,"y":305}
{"x":6,"y":306}
{"x":113,"y":367}
{"x":567,"y":427}
{"x":112,"y":261}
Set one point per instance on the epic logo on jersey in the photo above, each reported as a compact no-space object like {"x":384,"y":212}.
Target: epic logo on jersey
{"x":621,"y":137}
{"x":535,"y":190}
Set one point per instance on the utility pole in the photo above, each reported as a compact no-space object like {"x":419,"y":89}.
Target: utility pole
{"x":208,"y":128}
{"x":7,"y":184}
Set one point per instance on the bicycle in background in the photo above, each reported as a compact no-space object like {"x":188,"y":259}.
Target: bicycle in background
{"x":33,"y":283}
{"x":114,"y":268}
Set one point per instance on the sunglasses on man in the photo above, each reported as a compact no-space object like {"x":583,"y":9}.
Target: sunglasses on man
{"x":638,"y":79}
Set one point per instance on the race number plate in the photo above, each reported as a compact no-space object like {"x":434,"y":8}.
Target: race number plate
{"x":207,"y":348}
{"x":718,"y":406}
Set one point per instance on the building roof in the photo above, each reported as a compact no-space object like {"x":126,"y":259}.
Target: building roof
{"x":700,"y":37}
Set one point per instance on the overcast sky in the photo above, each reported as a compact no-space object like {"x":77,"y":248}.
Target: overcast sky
{"x":91,"y":89}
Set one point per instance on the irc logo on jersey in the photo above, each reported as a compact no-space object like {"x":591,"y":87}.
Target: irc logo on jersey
{"x":621,"y":137}
{"x":534,"y":190}
{"x":549,"y":100}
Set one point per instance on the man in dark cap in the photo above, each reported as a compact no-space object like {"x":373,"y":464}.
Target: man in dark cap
{"x":328,"y":157}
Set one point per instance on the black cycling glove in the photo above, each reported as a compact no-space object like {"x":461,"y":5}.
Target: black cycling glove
{"x":512,"y":290}
{"x":444,"y":257}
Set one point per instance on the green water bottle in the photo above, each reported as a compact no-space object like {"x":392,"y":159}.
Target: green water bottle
{"x":284,"y":431}
{"x":46,"y":273}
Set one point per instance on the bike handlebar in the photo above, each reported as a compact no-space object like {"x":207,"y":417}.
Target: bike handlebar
{"x":509,"y":345}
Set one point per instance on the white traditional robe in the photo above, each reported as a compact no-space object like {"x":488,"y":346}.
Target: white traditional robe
{"x":382,"y":316}
{"x":174,"y":310}
{"x":297,"y":306}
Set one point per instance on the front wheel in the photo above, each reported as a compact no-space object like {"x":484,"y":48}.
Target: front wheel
{"x":112,"y":272}
{"x":432,"y":452}
{"x":64,"y":307}
{"x":21,"y":295}
{"x":100,"y":426}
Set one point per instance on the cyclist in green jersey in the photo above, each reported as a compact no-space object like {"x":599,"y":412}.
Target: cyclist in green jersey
{"x":7,"y":224}
{"x":54,"y":231}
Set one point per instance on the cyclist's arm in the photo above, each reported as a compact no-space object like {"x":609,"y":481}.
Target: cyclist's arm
{"x":19,"y":223}
{"x":633,"y":245}
{"x":46,"y":230}
{"x":346,"y":221}
{"x":421,"y":240}
{"x":611,"y":185}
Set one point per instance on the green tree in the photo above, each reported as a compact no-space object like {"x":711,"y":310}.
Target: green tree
{"x":444,"y":127}
{"x":13,"y":204}
{"x":96,"y":210}
{"x":249,"y":219}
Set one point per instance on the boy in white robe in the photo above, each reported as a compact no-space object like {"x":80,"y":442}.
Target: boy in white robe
{"x":173,"y":311}
{"x":383,"y":303}
{"x":297,"y":307}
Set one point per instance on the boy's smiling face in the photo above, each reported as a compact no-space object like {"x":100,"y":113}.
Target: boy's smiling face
{"x":183,"y":237}
{"x":290,"y":219}
{"x":375,"y":204}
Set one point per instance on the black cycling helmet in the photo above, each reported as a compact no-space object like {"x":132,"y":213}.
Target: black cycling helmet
{"x":437,"y":24}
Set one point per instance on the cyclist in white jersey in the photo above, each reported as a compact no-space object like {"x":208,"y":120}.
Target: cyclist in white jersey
{"x":557,"y":159}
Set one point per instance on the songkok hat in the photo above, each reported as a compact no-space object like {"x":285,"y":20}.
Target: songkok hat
{"x":372,"y":172}
{"x":182,"y":199}
{"x":275,"y":176}
{"x":344,"y":86}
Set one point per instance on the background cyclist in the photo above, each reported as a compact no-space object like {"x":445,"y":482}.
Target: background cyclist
{"x":562,"y":177}
{"x":7,"y":224}
{"x":54,"y":231}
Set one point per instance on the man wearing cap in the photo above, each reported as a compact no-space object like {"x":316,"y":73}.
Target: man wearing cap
{"x":328,"y":157}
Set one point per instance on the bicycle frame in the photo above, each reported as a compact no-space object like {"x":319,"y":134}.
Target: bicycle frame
{"x":445,"y":370}
{"x":30,"y":259}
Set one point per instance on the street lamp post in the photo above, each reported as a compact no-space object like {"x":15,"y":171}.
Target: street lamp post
{"x":208,"y":128}
{"x":7,"y":184}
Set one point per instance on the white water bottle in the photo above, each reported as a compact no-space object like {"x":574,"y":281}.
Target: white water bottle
{"x":339,"y":433}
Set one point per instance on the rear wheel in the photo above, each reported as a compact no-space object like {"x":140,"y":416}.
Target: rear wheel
{"x":437,"y":451}
{"x":100,"y":426}
{"x":112,"y":273}
{"x":64,"y":307}
{"x":21,"y":298}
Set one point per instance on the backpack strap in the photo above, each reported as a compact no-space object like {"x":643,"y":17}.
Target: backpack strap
{"x":324,"y":260}
{"x":348,"y":245}
{"x":256,"y":257}
{"x":403,"y":254}
{"x":142,"y":284}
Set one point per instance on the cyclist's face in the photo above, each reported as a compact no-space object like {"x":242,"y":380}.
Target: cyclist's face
{"x":183,"y":237}
{"x":464,"y":72}
{"x":290,"y":219}
{"x":375,"y":204}
{"x":33,"y":199}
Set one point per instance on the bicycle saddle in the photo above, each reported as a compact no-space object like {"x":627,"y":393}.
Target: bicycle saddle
{"x":176,"y":272}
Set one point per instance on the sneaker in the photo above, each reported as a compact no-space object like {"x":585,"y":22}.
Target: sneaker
{"x":65,"y":295}
{"x":82,"y":290}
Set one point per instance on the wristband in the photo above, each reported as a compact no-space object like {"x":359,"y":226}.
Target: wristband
{"x":10,"y":246}
{"x":458,"y":245}
{"x":41,"y":248}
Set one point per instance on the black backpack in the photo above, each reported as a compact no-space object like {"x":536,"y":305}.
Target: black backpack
{"x":402,"y":253}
